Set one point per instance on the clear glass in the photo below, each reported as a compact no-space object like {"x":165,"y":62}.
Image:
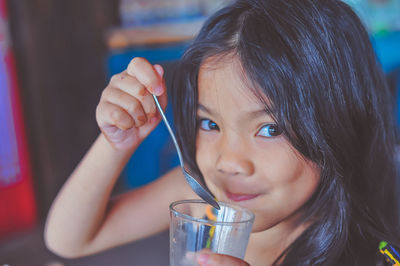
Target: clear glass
{"x":196,"y":225}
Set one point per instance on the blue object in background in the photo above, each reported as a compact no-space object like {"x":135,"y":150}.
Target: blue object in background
{"x":9,"y":161}
{"x":397,"y":77}
{"x":156,"y":154}
{"x":156,"y":54}
{"x":387,"y":48}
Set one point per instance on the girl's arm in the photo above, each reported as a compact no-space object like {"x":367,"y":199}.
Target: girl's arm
{"x":83,"y":219}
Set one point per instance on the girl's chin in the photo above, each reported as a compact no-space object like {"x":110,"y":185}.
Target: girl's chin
{"x":261,"y":224}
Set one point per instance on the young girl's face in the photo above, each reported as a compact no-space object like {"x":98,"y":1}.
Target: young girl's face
{"x":241,"y":152}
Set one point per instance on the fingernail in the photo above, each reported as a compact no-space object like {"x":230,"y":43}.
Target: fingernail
{"x":158,"y":90}
{"x":203,"y":258}
{"x":159,"y":70}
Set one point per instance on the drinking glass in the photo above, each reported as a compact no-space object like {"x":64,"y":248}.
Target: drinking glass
{"x":196,"y":225}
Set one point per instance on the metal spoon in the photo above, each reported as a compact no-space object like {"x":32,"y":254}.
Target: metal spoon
{"x":201,"y":191}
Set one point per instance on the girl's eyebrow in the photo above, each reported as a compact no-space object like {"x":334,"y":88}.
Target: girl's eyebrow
{"x":247,"y":115}
{"x":204,"y":109}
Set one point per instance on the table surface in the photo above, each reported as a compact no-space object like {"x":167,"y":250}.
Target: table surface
{"x":29,"y":249}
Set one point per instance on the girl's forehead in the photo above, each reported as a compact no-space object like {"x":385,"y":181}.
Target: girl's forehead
{"x":223,"y":62}
{"x":223,"y":78}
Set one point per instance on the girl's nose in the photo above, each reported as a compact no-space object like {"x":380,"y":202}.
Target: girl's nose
{"x":234,"y":161}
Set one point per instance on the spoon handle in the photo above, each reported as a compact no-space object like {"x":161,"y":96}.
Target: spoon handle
{"x":169,"y":129}
{"x":201,"y":191}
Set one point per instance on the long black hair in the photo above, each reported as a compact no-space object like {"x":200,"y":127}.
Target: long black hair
{"x":314,"y":62}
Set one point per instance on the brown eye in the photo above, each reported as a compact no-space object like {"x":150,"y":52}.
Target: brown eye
{"x":207,"y":124}
{"x":270,"y":130}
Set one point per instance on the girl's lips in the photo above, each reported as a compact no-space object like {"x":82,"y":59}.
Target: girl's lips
{"x":240,"y":197}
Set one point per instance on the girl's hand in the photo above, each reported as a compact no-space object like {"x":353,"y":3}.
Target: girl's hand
{"x":127,"y":113}
{"x":207,"y":258}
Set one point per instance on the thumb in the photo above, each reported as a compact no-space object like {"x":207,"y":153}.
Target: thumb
{"x":162,"y":98}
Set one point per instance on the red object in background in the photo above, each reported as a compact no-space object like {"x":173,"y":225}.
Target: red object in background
{"x":17,"y":201}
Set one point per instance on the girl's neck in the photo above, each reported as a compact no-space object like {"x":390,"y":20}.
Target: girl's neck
{"x":264,"y":247}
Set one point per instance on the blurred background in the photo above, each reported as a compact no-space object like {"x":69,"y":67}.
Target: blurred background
{"x":56,"y":57}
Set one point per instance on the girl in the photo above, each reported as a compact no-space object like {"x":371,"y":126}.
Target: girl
{"x":282,"y":108}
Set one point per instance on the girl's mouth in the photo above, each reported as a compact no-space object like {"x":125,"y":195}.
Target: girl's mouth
{"x":240,"y":197}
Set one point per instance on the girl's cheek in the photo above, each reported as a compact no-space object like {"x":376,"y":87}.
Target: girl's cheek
{"x":201,"y":159}
{"x":205,"y":161}
{"x":205,"y":149}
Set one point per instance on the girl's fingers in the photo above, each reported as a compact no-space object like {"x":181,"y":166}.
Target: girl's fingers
{"x":146,"y":74}
{"x":129,"y":103}
{"x":108,"y":114}
{"x":159,"y":70}
{"x":133,"y":87}
{"x":207,"y":258}
{"x":163,"y":98}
